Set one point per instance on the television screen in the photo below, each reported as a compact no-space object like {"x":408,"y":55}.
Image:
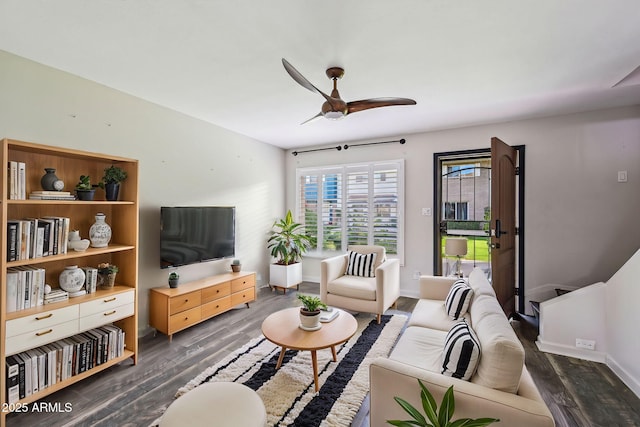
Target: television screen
{"x":191,"y":234}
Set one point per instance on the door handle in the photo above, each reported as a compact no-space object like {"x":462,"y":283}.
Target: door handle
{"x":499,"y":231}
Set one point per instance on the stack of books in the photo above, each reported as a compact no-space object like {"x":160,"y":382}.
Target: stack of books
{"x":56,"y":295}
{"x":51,"y":195}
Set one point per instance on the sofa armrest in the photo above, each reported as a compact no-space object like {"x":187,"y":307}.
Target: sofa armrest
{"x":331,"y":269}
{"x":388,"y":283}
{"x":389,"y":378}
{"x":435,"y":287}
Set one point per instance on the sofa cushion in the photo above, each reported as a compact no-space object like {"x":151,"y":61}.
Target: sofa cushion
{"x":420,"y":347}
{"x":381,"y":253}
{"x":430,"y":313}
{"x":502,"y":358}
{"x":479,"y":283}
{"x":461,"y":352}
{"x":354,"y":287}
{"x":458,"y":299}
{"x":361,"y":264}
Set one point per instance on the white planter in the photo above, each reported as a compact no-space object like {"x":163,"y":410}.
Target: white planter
{"x":285,"y":276}
{"x":310,"y":323}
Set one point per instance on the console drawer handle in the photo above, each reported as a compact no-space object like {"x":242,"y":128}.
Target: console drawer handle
{"x":110,"y":299}
{"x":39,"y":334}
{"x":44,"y":317}
{"x":110,"y":313}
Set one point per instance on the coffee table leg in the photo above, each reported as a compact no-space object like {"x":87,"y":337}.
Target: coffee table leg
{"x":314,"y":362}
{"x":282,"y":352}
{"x":333,"y":351}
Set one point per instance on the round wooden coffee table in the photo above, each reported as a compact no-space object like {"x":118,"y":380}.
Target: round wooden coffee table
{"x":282,"y":328}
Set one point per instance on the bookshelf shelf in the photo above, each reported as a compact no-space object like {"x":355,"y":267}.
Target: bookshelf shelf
{"x":122,"y":251}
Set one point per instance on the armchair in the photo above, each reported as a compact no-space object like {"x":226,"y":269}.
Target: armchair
{"x":357,"y":293}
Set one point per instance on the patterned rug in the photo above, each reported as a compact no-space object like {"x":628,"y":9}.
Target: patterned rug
{"x":288,"y":393}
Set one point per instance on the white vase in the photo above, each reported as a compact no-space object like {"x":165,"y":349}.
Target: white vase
{"x":100,"y":232}
{"x":71,"y":279}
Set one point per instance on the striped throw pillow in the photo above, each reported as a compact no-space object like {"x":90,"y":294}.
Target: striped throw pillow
{"x":461,"y":352}
{"x":361,"y":264}
{"x":458,"y":299}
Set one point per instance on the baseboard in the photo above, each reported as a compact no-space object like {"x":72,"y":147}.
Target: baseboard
{"x":565,"y":350}
{"x":624,"y":376}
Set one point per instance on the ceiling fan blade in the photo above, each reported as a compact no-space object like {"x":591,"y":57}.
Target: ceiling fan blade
{"x":366,"y":104}
{"x":302,"y":81}
{"x":312,"y":119}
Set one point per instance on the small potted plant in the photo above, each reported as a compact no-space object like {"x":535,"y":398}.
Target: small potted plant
{"x":84,"y":190}
{"x":310,"y":312}
{"x":113,"y":176}
{"x":434,"y":417}
{"x":236,"y":266}
{"x":173,"y":280}
{"x":107,"y":274}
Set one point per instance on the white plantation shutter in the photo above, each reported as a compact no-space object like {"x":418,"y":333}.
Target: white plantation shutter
{"x":353,"y":204}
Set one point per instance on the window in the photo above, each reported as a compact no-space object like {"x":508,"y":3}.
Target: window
{"x":355,"y":204}
{"x":456,"y":210}
{"x":462,"y":170}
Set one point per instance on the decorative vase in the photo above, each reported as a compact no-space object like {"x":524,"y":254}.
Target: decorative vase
{"x":310,"y":320}
{"x":100,"y":232}
{"x":112,"y":191}
{"x":50,"y":182}
{"x":71,"y":279}
{"x":107,"y":280}
{"x":173,"y":283}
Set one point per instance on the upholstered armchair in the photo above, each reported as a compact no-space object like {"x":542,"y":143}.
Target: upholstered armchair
{"x":361,"y":280}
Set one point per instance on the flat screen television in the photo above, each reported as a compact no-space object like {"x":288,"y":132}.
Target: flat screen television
{"x":192,"y":234}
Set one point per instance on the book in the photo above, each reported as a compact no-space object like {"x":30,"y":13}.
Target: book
{"x":91,"y":279}
{"x":12,"y":291}
{"x":21,"y":192}
{"x":12,"y":240}
{"x":13,"y":380}
{"x":13,"y":180}
{"x":50,"y":197}
{"x":329,"y":314}
{"x":50,"y":193}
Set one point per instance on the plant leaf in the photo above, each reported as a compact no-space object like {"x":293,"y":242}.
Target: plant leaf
{"x":429,"y":404}
{"x":447,"y":407}
{"x":409,"y":409}
{"x":400,"y":423}
{"x":468,"y":422}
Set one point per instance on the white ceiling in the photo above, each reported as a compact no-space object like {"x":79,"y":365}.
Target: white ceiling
{"x":465,"y":62}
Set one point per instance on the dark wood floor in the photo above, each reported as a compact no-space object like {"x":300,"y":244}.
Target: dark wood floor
{"x":579,"y":393}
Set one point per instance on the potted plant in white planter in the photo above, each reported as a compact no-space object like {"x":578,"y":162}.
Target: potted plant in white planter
{"x":310,"y":312}
{"x":287,"y":244}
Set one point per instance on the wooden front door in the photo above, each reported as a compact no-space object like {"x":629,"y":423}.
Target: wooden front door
{"x":503,"y":223}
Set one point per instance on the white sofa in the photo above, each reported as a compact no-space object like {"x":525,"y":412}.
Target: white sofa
{"x":501,"y":386}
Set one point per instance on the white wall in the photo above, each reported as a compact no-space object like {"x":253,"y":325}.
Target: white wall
{"x":183,"y":161}
{"x":606,"y":313}
{"x":581,"y":224}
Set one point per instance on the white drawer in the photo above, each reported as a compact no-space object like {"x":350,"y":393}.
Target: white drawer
{"x":41,"y":320}
{"x":107,"y":316}
{"x":101,"y":305}
{"x":40,"y":337}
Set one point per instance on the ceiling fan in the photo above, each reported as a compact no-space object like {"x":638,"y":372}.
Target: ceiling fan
{"x":334,"y":107}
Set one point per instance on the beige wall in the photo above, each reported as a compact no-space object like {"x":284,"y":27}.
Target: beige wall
{"x":581,"y":224}
{"x":183,"y":161}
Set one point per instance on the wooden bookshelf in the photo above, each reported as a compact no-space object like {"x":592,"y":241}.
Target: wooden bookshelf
{"x":122,"y":251}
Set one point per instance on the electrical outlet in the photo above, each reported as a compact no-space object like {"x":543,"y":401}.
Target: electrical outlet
{"x":426,"y":211}
{"x":416,"y":275}
{"x":622,"y":176}
{"x":586,"y":344}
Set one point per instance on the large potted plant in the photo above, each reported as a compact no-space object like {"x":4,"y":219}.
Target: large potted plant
{"x":287,"y":244}
{"x":113,"y":176}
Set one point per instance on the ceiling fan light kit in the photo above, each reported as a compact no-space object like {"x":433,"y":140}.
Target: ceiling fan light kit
{"x":334,"y":108}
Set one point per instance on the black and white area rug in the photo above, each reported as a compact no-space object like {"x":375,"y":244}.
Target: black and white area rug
{"x":288,"y":393}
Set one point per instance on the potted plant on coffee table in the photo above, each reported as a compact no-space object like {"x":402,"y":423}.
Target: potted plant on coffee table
{"x":113,"y":176}
{"x":310,"y":312}
{"x":84,"y":190}
{"x":287,"y":243}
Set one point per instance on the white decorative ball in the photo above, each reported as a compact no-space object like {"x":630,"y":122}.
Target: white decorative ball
{"x":47,"y":289}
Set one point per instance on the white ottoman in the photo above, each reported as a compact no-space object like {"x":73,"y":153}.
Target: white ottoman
{"x":219,"y":404}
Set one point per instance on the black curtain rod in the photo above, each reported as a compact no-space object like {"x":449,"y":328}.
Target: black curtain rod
{"x":346,"y":146}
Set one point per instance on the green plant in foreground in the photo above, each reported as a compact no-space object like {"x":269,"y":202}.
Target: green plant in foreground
{"x":436,"y":418}
{"x":311,"y":303}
